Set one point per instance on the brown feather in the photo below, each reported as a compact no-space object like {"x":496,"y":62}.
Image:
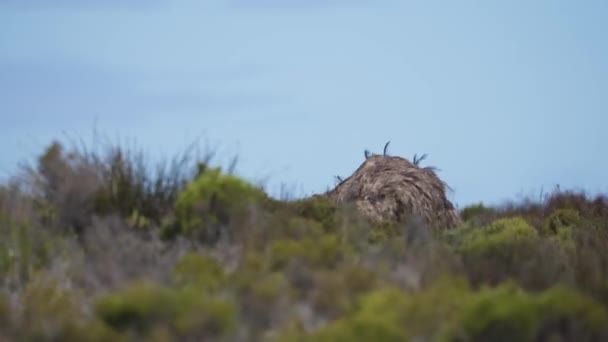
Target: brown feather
{"x":392,"y":189}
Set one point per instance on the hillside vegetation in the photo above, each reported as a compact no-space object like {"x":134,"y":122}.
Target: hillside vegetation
{"x":103,"y":246}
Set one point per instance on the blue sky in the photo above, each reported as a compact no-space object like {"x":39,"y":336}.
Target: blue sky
{"x":505,"y":97}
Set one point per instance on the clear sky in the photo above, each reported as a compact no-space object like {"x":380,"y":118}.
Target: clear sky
{"x":506,"y":97}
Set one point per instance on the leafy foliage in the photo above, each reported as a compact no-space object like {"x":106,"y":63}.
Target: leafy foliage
{"x":212,"y":201}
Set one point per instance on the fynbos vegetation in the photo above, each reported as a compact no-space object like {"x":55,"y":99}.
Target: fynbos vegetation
{"x":101,"y":246}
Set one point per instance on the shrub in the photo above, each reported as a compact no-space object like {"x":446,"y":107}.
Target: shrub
{"x":502,"y":314}
{"x":24,"y":249}
{"x":477,"y":214}
{"x":144,"y":307}
{"x":282,"y":225}
{"x":199,"y":271}
{"x":450,"y":310}
{"x":5,"y":318}
{"x":499,"y":237}
{"x":49,"y":313}
{"x":379,"y":317}
{"x":506,"y":248}
{"x":317,"y":208}
{"x":572,"y":316}
{"x":212,"y":201}
{"x":324,"y":252}
{"x":559,"y":226}
{"x":507,"y":313}
{"x":263,"y":298}
{"x":560,"y":219}
{"x":335,"y":292}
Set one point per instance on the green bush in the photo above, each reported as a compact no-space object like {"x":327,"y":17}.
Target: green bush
{"x":200,"y":271}
{"x":560,"y":226}
{"x":324,"y":252}
{"x":501,"y":236}
{"x":282,"y":225}
{"x":49,"y":313}
{"x":379,"y":317}
{"x":23,"y":249}
{"x":317,"y":208}
{"x":572,"y":315}
{"x":502,"y":314}
{"x":214,"y":200}
{"x":507,"y":313}
{"x":336,"y":291}
{"x":5,"y":317}
{"x":506,"y":248}
{"x":144,"y":307}
{"x":263,"y":298}
{"x":475,"y":212}
{"x":560,"y":219}
{"x":450,"y":310}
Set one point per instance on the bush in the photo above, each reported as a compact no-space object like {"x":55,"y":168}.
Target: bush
{"x":199,"y":271}
{"x":335,"y":292}
{"x":379,"y":317}
{"x":317,"y":208}
{"x":506,"y":313}
{"x":49,"y":313}
{"x":324,"y":252}
{"x":213,"y":201}
{"x":450,"y":310}
{"x":507,"y":248}
{"x":23,"y":250}
{"x":143,"y":308}
{"x":477,"y":213}
{"x":501,"y":236}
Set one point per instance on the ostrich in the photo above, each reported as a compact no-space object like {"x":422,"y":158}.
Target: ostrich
{"x":393,"y":189}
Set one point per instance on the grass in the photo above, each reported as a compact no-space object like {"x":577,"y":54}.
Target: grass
{"x":102,"y":245}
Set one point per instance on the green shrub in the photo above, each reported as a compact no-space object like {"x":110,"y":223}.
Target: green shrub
{"x":138,"y":307}
{"x":282,"y":225}
{"x":396,"y":314}
{"x":475,"y":212}
{"x":560,"y":226}
{"x":144,"y":307}
{"x":335,"y":291}
{"x":501,"y":237}
{"x":200,"y":271}
{"x":507,"y":313}
{"x":317,"y":208}
{"x":391,"y":314}
{"x":506,"y":248}
{"x":214,"y":200}
{"x":561,"y":219}
{"x":502,"y":314}
{"x":379,"y":317}
{"x":53,"y":314}
{"x":572,"y":315}
{"x":323,"y":252}
{"x":5,"y":317}
{"x":263,"y":298}
{"x":23,"y":249}
{"x":450,"y":310}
